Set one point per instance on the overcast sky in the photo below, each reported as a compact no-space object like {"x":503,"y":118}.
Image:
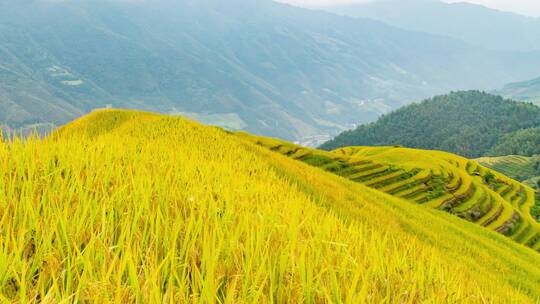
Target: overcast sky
{"x":525,"y":7}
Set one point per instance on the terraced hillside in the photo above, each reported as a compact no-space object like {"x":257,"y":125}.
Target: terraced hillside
{"x":130,"y":207}
{"x":431,"y":178}
{"x":522,"y":168}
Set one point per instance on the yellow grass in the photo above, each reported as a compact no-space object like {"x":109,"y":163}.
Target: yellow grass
{"x":128,"y":207}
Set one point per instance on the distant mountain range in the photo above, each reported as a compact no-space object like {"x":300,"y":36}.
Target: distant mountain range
{"x":472,"y":23}
{"x":472,"y":124}
{"x":526,"y":90}
{"x":257,"y":65}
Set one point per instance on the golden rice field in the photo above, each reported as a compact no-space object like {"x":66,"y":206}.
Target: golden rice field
{"x":130,"y":207}
{"x":434,"y":179}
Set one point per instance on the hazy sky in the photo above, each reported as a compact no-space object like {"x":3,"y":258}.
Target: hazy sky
{"x":525,"y":7}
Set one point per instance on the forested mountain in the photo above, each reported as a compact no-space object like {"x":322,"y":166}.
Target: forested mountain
{"x":522,"y":142}
{"x":526,"y":90}
{"x":468,"y":123}
{"x":475,"y":24}
{"x":257,"y":65}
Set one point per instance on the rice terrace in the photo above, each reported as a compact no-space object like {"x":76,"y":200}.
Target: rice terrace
{"x":435,"y":179}
{"x":123,"y":206}
{"x":269,"y":151}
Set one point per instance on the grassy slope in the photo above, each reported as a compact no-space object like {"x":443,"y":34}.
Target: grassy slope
{"x":125,"y":206}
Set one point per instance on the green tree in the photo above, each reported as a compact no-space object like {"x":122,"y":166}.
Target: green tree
{"x":470,"y":123}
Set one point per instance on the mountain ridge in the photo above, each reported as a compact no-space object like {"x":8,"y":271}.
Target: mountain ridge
{"x":275,"y":69}
{"x":479,"y":25}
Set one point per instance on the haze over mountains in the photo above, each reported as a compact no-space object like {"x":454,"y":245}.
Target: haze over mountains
{"x":472,"y":23}
{"x":261,"y":66}
{"x":526,"y":90}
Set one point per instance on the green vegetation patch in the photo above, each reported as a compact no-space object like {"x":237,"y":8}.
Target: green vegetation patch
{"x":470,"y":124}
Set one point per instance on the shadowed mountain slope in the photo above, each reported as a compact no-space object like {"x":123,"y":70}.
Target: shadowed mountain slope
{"x":259,"y":66}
